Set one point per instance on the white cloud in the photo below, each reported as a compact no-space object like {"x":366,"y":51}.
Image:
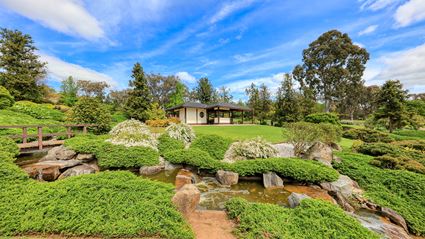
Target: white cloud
{"x":272,"y":82}
{"x":186,"y":77}
{"x":410,"y":12}
{"x":66,"y":16}
{"x":407,"y":66}
{"x":229,"y":8}
{"x":368,"y":30}
{"x":59,"y":70}
{"x":375,"y":5}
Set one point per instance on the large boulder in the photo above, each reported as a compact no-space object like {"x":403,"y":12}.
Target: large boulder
{"x":170,"y":166}
{"x":320,"y":152}
{"x":42,"y":172}
{"x":62,"y":164}
{"x":344,"y":185}
{"x":393,"y":216}
{"x":187,"y":198}
{"x":381,"y":226}
{"x":272,"y":180}
{"x":295,"y":199}
{"x":59,"y":153}
{"x":227,"y":177}
{"x":284,"y":150}
{"x":342,"y":201}
{"x":183,"y":177}
{"x":77,"y":170}
{"x":85,"y":157}
{"x":150,"y":170}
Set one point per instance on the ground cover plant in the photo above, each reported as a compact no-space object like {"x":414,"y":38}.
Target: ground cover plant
{"x":292,"y":168}
{"x":38,"y":111}
{"x":368,"y":135}
{"x":312,"y":219}
{"x":6,"y":100}
{"x":167,"y":144}
{"x":183,"y":132}
{"x":243,"y":132}
{"x":409,"y":134}
{"x":215,"y":145}
{"x":317,"y":118}
{"x":400,"y":190}
{"x":132,"y":133}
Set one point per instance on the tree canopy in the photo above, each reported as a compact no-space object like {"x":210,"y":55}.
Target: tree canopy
{"x":139,"y":98}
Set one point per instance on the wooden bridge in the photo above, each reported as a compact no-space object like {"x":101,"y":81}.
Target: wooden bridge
{"x":43,"y":140}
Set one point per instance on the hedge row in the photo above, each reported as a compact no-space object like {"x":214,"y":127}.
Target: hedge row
{"x":215,"y":145}
{"x":368,"y":135}
{"x":297,"y":169}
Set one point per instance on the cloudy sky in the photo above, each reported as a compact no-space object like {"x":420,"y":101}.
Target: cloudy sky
{"x":233,"y":43}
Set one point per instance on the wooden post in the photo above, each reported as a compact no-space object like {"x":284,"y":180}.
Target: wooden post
{"x":24,"y":135}
{"x":85,"y":129}
{"x":40,"y":137}
{"x":68,"y":131}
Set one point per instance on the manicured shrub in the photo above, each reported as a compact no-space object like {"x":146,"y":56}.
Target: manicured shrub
{"x":38,"y":111}
{"x":119,"y":156}
{"x":317,"y":118}
{"x":167,"y":144}
{"x":378,"y":149}
{"x":215,"y":145}
{"x":132,"y":133}
{"x":409,"y":134}
{"x":195,"y":157}
{"x":6,"y":99}
{"x":162,"y":122}
{"x":329,"y":133}
{"x":252,"y":148}
{"x":312,"y":219}
{"x":8,"y":146}
{"x":398,"y":162}
{"x":368,"y":135}
{"x":412,"y":144}
{"x":400,"y":190}
{"x":183,"y":132}
{"x":90,"y":110}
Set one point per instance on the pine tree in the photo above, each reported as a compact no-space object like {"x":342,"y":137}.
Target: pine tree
{"x":287,"y":102}
{"x":20,"y":68}
{"x":69,"y":90}
{"x":265,"y":103}
{"x":139,"y":99}
{"x":177,"y":96}
{"x":205,"y":92}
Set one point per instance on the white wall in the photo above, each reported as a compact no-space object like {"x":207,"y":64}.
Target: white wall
{"x":191,"y":116}
{"x":222,"y":120}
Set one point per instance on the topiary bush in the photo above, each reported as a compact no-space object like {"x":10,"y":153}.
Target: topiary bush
{"x":195,"y":157}
{"x":132,"y":133}
{"x":183,"y":132}
{"x":411,"y":144}
{"x":398,"y":162}
{"x":167,"y":144}
{"x":6,"y":99}
{"x":251,"y":149}
{"x":368,"y":135}
{"x":9,"y":147}
{"x":312,"y":219}
{"x":215,"y":145}
{"x":38,"y":111}
{"x":317,"y":118}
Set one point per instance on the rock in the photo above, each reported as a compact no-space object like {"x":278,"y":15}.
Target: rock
{"x":77,"y":170}
{"x":344,"y":185}
{"x":272,"y":180}
{"x":169,"y":166}
{"x":85,"y":157}
{"x":284,"y":150}
{"x":59,"y":153}
{"x":94,"y":165}
{"x":187,"y":199}
{"x":393,"y":216}
{"x":183,"y":177}
{"x":336,"y":146}
{"x":342,"y":201}
{"x":227,"y":177}
{"x":295,"y":199}
{"x":150,"y":170}
{"x":320,"y":152}
{"x":43,"y":172}
{"x":62,"y":164}
{"x":51,"y":154}
{"x":381,"y":226}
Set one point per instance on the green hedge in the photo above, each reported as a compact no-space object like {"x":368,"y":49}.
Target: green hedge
{"x":38,"y":111}
{"x":215,"y":145}
{"x":297,"y":169}
{"x":317,"y":118}
{"x":113,"y":156}
{"x":368,"y":135}
{"x":167,"y":144}
{"x":8,"y":146}
{"x":6,"y":99}
{"x":399,"y":190}
{"x":312,"y":219}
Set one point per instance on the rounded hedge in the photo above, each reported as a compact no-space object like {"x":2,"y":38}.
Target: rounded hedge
{"x":317,"y":118}
{"x":215,"y":145}
{"x":6,"y":99}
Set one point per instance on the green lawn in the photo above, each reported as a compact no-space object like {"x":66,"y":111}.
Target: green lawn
{"x":241,"y":132}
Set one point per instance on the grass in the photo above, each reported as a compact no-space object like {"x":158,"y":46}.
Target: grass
{"x":400,"y":190}
{"x":312,"y":219}
{"x":242,"y":132}
{"x":409,"y":134}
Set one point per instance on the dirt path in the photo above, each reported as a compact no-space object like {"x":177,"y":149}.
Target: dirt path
{"x":209,"y":224}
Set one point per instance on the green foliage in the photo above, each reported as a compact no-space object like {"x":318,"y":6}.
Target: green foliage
{"x":90,"y":110}
{"x":398,"y":162}
{"x":9,"y":146}
{"x":368,"y":135}
{"x":312,"y":219}
{"x":399,"y":190}
{"x":119,"y":117}
{"x":288,"y":105}
{"x":330,"y":118}
{"x":204,"y":91}
{"x":182,"y":132}
{"x":417,"y":106}
{"x":412,"y":144}
{"x":6,"y":100}
{"x":155,"y":112}
{"x":177,"y":96}
{"x":215,"y":145}
{"x":22,"y":69}
{"x":38,"y":111}
{"x":297,"y":169}
{"x":69,"y":90}
{"x":167,"y":144}
{"x":139,"y":98}
{"x":409,"y":134}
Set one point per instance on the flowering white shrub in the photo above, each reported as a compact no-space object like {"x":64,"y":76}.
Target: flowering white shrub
{"x":181,"y":132}
{"x":132,"y":133}
{"x":252,"y":149}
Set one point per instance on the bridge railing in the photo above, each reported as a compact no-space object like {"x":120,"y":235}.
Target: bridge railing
{"x":25,"y":136}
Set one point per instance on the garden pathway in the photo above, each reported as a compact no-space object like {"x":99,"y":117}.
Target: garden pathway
{"x":210,"y":224}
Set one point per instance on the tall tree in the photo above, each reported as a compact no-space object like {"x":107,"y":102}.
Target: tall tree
{"x":392,"y":102}
{"x":161,"y":87}
{"x":92,"y":89}
{"x":118,"y":98}
{"x":253,"y":99}
{"x":177,"y":96}
{"x":287,"y":102}
{"x":224,"y":95}
{"x":21,"y":70}
{"x":69,"y":91}
{"x":332,"y":66}
{"x":139,"y":98}
{"x":265,"y":103}
{"x":204,"y":91}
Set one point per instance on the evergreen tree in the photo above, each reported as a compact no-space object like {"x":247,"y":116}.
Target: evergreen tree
{"x":253,"y":99}
{"x":20,"y":68}
{"x":287,"y":102}
{"x":139,"y":99}
{"x":205,"y":92}
{"x":177,"y":96}
{"x":265,"y":103}
{"x":69,"y":90}
{"x":224,"y":95}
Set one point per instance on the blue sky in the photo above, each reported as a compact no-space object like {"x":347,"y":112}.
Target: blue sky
{"x":233,"y":43}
